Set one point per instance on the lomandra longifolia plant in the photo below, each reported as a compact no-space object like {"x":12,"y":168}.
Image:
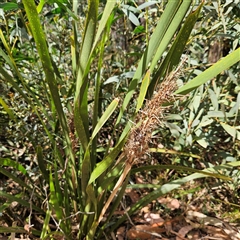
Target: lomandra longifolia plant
{"x":146,"y":121}
{"x":77,"y":189}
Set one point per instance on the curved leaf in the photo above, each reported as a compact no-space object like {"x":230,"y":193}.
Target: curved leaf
{"x":21,"y":201}
{"x":181,"y":168}
{"x":162,"y":190}
{"x":105,"y":117}
{"x":211,"y":72}
{"x":10,"y":163}
{"x":173,"y":57}
{"x":143,"y":91}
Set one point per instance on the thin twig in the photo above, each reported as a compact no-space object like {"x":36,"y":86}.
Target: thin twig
{"x":30,"y":215}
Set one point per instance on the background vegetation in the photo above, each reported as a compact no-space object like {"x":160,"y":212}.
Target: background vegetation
{"x":97,"y":95}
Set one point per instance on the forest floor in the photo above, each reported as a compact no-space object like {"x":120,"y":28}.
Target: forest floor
{"x":192,"y":212}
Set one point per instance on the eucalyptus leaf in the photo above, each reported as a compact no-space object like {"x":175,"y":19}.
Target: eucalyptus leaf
{"x":147,"y":4}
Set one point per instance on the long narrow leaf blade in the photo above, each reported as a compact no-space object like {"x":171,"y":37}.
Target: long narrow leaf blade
{"x":106,"y":14}
{"x":106,"y":162}
{"x":10,"y":163}
{"x":105,"y":117}
{"x":157,"y":37}
{"x":21,"y":201}
{"x":41,"y":163}
{"x":143,"y":91}
{"x":182,"y":168}
{"x":43,"y":52}
{"x":168,"y":36}
{"x":173,"y":57}
{"x":162,"y":190}
{"x":211,"y":72}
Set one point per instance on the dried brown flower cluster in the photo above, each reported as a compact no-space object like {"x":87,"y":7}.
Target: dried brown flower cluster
{"x":149,"y":118}
{"x":146,"y":120}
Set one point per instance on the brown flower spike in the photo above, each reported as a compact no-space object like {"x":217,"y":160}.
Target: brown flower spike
{"x":150,"y":117}
{"x":139,"y":137}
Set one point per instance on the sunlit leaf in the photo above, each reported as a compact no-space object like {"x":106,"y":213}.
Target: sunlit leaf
{"x":211,"y":72}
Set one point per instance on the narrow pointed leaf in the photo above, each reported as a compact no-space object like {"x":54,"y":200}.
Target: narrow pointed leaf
{"x":40,"y":39}
{"x":143,"y":91}
{"x":7,"y":109}
{"x":211,"y":72}
{"x":21,"y":201}
{"x":173,"y":57}
{"x":106,"y":162}
{"x":168,"y":36}
{"x":41,"y":163}
{"x":182,"y":168}
{"x":10,"y":163}
{"x":106,"y":14}
{"x":111,"y":108}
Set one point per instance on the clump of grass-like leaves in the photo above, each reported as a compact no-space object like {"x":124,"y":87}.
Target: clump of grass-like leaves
{"x":75,"y":185}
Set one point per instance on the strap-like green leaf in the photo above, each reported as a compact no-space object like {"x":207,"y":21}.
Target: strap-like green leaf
{"x":105,"y":16}
{"x":143,"y":91}
{"x":211,"y":72}
{"x":41,"y":163}
{"x":173,"y":57}
{"x":106,"y":162}
{"x":10,"y":163}
{"x":45,"y":226}
{"x":40,"y":40}
{"x":170,"y":20}
{"x":162,"y":190}
{"x":11,"y":6}
{"x":53,"y":198}
{"x":173,"y":26}
{"x":181,"y":168}
{"x":111,"y":108}
{"x":21,"y":201}
{"x":159,"y":33}
{"x":7,"y":109}
{"x":81,"y":120}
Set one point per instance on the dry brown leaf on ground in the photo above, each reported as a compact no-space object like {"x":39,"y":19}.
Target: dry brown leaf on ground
{"x":194,"y":234}
{"x":144,"y":232}
{"x":145,"y":209}
{"x":139,"y":180}
{"x":153,"y":218}
{"x":170,"y":203}
{"x":212,"y":225}
{"x":233,"y":233}
{"x":215,"y":232}
{"x":183,"y":232}
{"x":132,"y":193}
{"x":121,"y":232}
{"x":168,"y":226}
